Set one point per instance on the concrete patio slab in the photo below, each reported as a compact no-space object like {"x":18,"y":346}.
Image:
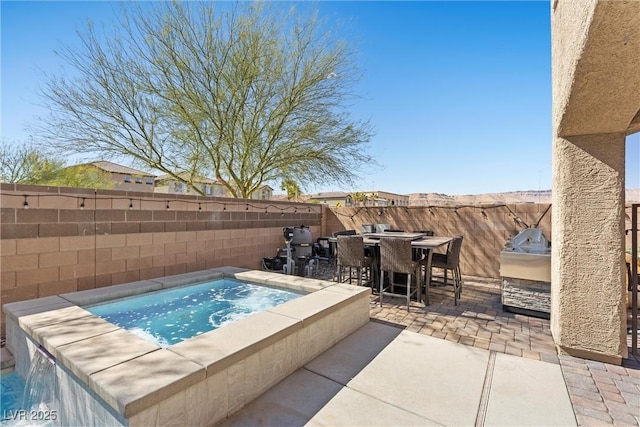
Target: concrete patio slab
{"x":341,"y":363}
{"x":351,"y":408}
{"x":428,"y":377}
{"x":528,"y":393}
{"x":292,"y":402}
{"x":477,"y":322}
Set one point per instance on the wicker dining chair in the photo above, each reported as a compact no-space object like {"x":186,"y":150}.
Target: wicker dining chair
{"x":451,"y":261}
{"x":351,"y":255}
{"x":396,"y":256}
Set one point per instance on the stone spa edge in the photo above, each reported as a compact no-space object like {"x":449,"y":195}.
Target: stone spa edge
{"x":109,"y":376}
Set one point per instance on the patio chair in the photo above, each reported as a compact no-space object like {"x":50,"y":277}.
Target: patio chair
{"x":425,"y":232}
{"x":451,"y":261}
{"x":351,"y":255}
{"x":322,"y":248}
{"x":396,"y":256}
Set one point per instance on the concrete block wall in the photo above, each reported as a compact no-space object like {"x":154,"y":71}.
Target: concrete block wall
{"x":56,"y":245}
{"x":485,"y":228}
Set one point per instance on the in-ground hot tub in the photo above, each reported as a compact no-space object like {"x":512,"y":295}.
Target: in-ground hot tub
{"x":109,"y":376}
{"x":169,"y":316}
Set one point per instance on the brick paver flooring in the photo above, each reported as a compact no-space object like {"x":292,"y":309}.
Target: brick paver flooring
{"x":601,"y":394}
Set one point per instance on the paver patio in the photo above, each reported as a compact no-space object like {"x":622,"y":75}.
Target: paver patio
{"x":601,"y":393}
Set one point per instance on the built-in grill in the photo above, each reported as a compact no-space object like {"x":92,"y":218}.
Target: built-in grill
{"x":525,"y":267}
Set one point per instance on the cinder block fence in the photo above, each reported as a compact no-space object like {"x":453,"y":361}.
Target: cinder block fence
{"x":56,"y":240}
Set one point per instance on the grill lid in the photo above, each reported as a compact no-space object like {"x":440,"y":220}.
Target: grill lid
{"x":531,"y":240}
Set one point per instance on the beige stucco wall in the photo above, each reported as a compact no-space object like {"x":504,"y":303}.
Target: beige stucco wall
{"x":118,"y":179}
{"x":587,"y":275}
{"x":596,"y":95}
{"x":596,"y":55}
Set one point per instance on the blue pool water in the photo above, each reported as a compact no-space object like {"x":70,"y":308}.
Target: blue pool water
{"x":12,"y":412}
{"x":11,"y":388}
{"x":170,"y":316}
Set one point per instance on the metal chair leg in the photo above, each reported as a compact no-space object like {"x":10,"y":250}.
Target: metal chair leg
{"x":457,"y":285}
{"x":422,"y":279}
{"x":408,"y":290}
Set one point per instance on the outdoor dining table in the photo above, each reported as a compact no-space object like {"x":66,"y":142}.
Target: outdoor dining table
{"x":419,"y":241}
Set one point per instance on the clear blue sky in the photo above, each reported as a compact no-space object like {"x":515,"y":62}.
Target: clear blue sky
{"x":459,"y":92}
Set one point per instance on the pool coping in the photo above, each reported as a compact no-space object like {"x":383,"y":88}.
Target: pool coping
{"x":133,"y":375}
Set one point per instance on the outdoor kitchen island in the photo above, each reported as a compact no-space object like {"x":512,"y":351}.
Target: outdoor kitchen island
{"x":525,"y":268}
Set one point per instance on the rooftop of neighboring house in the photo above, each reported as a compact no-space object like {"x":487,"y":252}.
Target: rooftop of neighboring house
{"x":115,"y":168}
{"x":329,"y":195}
{"x":196,"y":179}
{"x":382,"y":193}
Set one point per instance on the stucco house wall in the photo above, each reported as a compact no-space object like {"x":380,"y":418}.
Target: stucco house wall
{"x":596,"y":103}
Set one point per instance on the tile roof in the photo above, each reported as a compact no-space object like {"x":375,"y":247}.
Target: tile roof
{"x":329,"y":195}
{"x":116,"y":168}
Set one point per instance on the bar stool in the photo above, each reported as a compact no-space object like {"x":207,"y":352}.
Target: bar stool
{"x":451,"y":261}
{"x":396,"y":256}
{"x":351,"y":255}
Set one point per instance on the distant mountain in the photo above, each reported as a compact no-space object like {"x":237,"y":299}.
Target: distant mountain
{"x":441,"y":199}
{"x":532,"y":196}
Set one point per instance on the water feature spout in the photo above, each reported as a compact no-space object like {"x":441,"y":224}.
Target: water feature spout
{"x":40,"y":385}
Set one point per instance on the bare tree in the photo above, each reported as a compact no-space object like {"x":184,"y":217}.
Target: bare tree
{"x":22,"y":163}
{"x":248,"y":95}
{"x":25,"y":163}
